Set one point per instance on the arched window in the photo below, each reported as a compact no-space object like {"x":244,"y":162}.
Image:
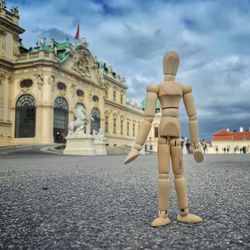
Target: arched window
{"x":60,"y":119}
{"x":25,"y":123}
{"x":95,"y":124}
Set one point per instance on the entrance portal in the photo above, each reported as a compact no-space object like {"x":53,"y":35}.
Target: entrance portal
{"x":60,"y":119}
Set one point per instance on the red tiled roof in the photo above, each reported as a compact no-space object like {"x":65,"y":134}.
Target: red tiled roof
{"x":224,"y":135}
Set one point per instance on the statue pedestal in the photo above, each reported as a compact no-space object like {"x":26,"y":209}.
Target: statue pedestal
{"x":80,"y":145}
{"x":100,"y":147}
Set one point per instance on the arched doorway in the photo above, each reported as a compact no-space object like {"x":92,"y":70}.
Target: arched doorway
{"x":25,"y":123}
{"x":60,"y":119}
{"x":95,"y":124}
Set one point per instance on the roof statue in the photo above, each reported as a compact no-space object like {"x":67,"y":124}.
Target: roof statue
{"x":2,"y":4}
{"x":42,"y":42}
{"x":14,"y":10}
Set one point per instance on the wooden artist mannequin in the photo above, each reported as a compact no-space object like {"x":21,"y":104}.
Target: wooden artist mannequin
{"x":169,"y":94}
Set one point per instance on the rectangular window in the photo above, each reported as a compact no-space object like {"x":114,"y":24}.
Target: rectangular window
{"x":114,"y":126}
{"x":156,"y":132}
{"x":121,"y":100}
{"x":121,"y":127}
{"x":133,"y":129}
{"x":114,"y":95}
{"x":106,"y":124}
{"x":127,"y":128}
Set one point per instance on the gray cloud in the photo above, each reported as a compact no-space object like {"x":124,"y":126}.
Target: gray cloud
{"x":55,"y":33}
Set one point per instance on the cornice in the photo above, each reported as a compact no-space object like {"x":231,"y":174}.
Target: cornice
{"x":11,"y":25}
{"x":114,"y":81}
{"x":119,"y":106}
{"x":6,"y":63}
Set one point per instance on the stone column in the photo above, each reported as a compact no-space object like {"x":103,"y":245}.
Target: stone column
{"x":4,"y":82}
{"x":40,"y":119}
{"x":5,"y":99}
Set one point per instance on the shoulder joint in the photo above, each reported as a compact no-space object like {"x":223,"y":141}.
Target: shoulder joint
{"x":153,"y":88}
{"x":186,"y":88}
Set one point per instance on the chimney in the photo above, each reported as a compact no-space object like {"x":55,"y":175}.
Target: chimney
{"x":241,"y":129}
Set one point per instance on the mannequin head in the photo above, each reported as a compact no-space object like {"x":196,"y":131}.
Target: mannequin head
{"x":170,"y":63}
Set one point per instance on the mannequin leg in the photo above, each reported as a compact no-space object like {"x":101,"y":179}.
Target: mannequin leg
{"x":163,"y":154}
{"x":180,"y":184}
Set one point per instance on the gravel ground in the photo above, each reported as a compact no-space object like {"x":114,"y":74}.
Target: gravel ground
{"x":65,"y":202}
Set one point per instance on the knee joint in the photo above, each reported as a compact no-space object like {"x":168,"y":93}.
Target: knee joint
{"x":163,"y":176}
{"x":178,"y":176}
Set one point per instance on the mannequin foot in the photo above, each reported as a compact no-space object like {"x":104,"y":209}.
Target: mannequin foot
{"x":161,"y":220}
{"x":189,"y":218}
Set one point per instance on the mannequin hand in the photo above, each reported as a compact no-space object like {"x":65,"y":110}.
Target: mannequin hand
{"x":132,"y":155}
{"x":198,"y":156}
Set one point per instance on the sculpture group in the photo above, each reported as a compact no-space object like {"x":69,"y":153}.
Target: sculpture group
{"x":81,"y":142}
{"x":81,"y":121}
{"x":170,"y":93}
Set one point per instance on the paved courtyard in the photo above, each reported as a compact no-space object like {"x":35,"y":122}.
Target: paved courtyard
{"x":50,"y":201}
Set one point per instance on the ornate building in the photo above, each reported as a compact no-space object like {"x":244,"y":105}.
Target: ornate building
{"x":41,"y":86}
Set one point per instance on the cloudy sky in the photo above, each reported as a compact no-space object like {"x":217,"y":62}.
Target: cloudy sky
{"x":212,"y":38}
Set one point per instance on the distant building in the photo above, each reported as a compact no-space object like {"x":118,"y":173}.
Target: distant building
{"x":231,"y":142}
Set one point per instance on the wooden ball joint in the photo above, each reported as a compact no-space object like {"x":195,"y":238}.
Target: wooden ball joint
{"x":170,"y":93}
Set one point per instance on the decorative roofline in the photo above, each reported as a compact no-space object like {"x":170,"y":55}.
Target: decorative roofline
{"x":108,"y":72}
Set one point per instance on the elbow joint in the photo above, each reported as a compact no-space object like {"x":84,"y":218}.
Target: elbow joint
{"x":193,"y":117}
{"x":149,"y":118}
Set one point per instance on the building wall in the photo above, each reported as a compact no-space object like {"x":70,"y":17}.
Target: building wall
{"x":232,"y":147}
{"x":45,"y":92}
{"x":5,"y":122}
{"x":123,"y":125}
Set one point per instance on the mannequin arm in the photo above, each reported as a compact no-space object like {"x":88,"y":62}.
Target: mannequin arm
{"x":193,"y":123}
{"x":142,"y":135}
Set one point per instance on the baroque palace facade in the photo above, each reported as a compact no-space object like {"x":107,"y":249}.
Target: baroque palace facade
{"x":41,"y":86}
